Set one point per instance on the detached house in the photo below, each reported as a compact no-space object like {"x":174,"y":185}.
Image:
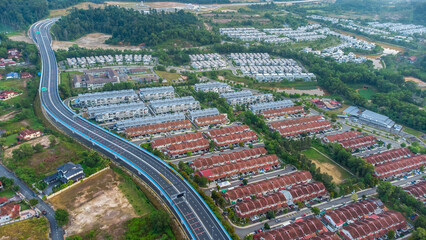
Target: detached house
{"x":29,"y":134}
{"x":68,"y":171}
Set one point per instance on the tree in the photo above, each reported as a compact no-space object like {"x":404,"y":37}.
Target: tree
{"x":299,"y":204}
{"x":354,"y":197}
{"x":241,"y":144}
{"x":419,"y":234}
{"x":52,"y":140}
{"x":189,"y":153}
{"x":389,"y":146}
{"x":245,"y":181}
{"x":15,"y":188}
{"x":391,"y":234}
{"x":315,"y":210}
{"x":266,"y":226}
{"x":38,"y":148}
{"x":403,"y":145}
{"x":33,"y":201}
{"x":270,"y":214}
{"x":61,"y":216}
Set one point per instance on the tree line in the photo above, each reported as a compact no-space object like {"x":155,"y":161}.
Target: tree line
{"x":20,"y":13}
{"x":128,"y":26}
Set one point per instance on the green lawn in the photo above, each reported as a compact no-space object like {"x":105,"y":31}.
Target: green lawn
{"x":413,"y":132}
{"x":7,"y":193}
{"x":366,"y":93}
{"x":312,"y":154}
{"x":11,"y":139}
{"x":167,"y":75}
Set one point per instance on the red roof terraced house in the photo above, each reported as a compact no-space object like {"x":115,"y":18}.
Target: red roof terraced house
{"x":26,"y":75}
{"x":305,"y":128}
{"x":158,"y":128}
{"x":211,"y":120}
{"x":182,"y":149}
{"x":353,"y":212}
{"x":261,"y":205}
{"x":236,"y":138}
{"x":263,"y":163}
{"x":418,"y":191}
{"x":227,"y":158}
{"x":9,"y":212}
{"x":375,"y":226}
{"x":305,"y":192}
{"x":388,"y":156}
{"x":227,"y":131}
{"x":280,"y":112}
{"x":162,"y":143}
{"x":359,"y":142}
{"x":399,"y":167}
{"x":306,"y":229}
{"x":267,"y":186}
{"x":3,"y":201}
{"x":296,"y":122}
{"x":341,"y":136}
{"x":327,"y":236}
{"x":1,"y":186}
{"x":28,"y":134}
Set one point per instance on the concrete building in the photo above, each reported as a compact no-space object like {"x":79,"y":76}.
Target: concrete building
{"x":203,"y":113}
{"x":174,"y":105}
{"x":246,"y":97}
{"x":96,"y":78}
{"x":136,"y":122}
{"x":115,"y":112}
{"x":260,"y":107}
{"x":217,"y":87}
{"x":376,"y":119}
{"x":106,"y":98}
{"x":156,"y":93}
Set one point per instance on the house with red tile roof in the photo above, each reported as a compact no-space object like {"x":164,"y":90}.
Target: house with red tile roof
{"x":28,"y":134}
{"x":327,"y":236}
{"x":261,"y":205}
{"x":282,"y":112}
{"x":227,"y":131}
{"x":26,"y":75}
{"x":236,"y":138}
{"x":162,"y":143}
{"x":341,"y":136}
{"x":418,"y":191}
{"x":158,"y":128}
{"x":6,"y":95}
{"x":3,"y":201}
{"x":211,"y":120}
{"x":388,"y":156}
{"x":314,"y":127}
{"x":399,"y":167}
{"x":181,"y":149}
{"x":9,"y":212}
{"x":359,"y":142}
{"x":375,"y":226}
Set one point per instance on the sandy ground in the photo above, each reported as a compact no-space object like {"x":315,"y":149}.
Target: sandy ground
{"x":64,"y":11}
{"x":21,"y":37}
{"x":331,"y":170}
{"x":96,"y":203}
{"x":43,"y":140}
{"x":8,"y":116}
{"x":416,"y":80}
{"x":91,"y":41}
{"x":318,"y":91}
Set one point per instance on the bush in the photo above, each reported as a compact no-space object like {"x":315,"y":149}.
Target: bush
{"x":61,"y":216}
{"x":33,"y":201}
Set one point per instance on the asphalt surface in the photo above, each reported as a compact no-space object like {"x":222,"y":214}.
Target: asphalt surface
{"x":188,"y":207}
{"x":56,"y":232}
{"x":243,"y":231}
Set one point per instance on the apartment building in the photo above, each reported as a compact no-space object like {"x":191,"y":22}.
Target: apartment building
{"x":306,"y":229}
{"x":227,"y":158}
{"x":155,"y":93}
{"x":353,"y":212}
{"x":399,"y":167}
{"x":341,"y":136}
{"x":158,"y":128}
{"x":267,"y":186}
{"x":247,"y":167}
{"x":282,"y":112}
{"x":260,"y":107}
{"x":162,"y":143}
{"x":388,"y":156}
{"x":217,"y":87}
{"x":174,"y":105}
{"x":106,"y":98}
{"x":115,"y":112}
{"x":374,"y":228}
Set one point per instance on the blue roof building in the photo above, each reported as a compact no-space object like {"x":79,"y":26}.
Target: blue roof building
{"x":12,"y":75}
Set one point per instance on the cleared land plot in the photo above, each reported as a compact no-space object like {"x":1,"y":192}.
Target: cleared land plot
{"x":65,"y":11}
{"x":91,"y":41}
{"x":20,"y":37}
{"x":416,"y":80}
{"x":44,"y":140}
{"x":327,"y":166}
{"x":34,"y":229}
{"x":102,"y":203}
{"x":167,"y":75}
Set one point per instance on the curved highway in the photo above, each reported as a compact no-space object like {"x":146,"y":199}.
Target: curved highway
{"x":189,"y":208}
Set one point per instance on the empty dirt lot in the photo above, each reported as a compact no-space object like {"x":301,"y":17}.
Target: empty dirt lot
{"x":91,"y":41}
{"x":96,"y":203}
{"x":44,"y":140}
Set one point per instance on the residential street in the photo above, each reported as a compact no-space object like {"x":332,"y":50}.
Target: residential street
{"x":56,"y":232}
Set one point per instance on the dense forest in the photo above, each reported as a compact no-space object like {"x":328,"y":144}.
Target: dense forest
{"x":20,"y":13}
{"x":131,"y":27}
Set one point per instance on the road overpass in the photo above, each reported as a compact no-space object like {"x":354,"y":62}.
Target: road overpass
{"x":188,"y":207}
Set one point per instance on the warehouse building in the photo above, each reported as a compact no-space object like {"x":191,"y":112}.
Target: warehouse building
{"x":267,"y":186}
{"x":388,"y":156}
{"x":283,"y":112}
{"x":136,"y":122}
{"x":227,"y":158}
{"x":174,"y":105}
{"x":120,"y":111}
{"x":418,"y":191}
{"x":217,"y":87}
{"x":260,"y":107}
{"x":306,"y":229}
{"x":156,"y":93}
{"x":353,"y":212}
{"x":374,"y":228}
{"x":158,"y":128}
{"x":244,"y":168}
{"x":399,"y":167}
{"x":162,"y":143}
{"x":376,"y":119}
{"x":106,"y":98}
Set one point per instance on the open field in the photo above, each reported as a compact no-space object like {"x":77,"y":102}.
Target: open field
{"x":84,"y":5}
{"x":34,"y":229}
{"x":43,"y":140}
{"x":7,"y":193}
{"x":366,"y":93}
{"x":167,"y":75}
{"x":416,"y":80}
{"x":317,"y":91}
{"x":98,"y":203}
{"x":413,"y":132}
{"x":327,"y":166}
{"x":91,"y":41}
{"x":20,"y":37}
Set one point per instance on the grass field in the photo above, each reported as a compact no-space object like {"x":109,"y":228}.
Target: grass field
{"x":327,"y":166}
{"x":167,"y":75}
{"x":366,"y":93}
{"x":7,"y":193}
{"x":34,"y":229}
{"x":11,"y":139}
